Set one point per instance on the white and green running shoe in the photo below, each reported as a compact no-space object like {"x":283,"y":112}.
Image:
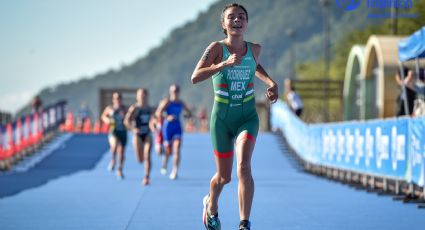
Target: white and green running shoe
{"x":211,"y":222}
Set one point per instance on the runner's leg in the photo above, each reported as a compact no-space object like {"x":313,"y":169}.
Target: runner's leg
{"x":244,"y":149}
{"x":138,"y":147}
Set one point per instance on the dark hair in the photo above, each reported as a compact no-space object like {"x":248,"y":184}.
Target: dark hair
{"x":421,"y":74}
{"x":230,"y":6}
{"x":117,"y":93}
{"x":144,"y":90}
{"x":405,"y":71}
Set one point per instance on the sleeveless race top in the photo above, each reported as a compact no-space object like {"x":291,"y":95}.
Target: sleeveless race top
{"x":175,"y":109}
{"x":118,"y":118}
{"x":142,"y":117}
{"x":234,"y":87}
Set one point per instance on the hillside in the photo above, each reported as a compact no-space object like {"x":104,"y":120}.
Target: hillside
{"x":173,"y":61}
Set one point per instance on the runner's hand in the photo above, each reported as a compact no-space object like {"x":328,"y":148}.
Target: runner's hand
{"x":233,"y":60}
{"x":272,"y":94}
{"x":170,"y":118}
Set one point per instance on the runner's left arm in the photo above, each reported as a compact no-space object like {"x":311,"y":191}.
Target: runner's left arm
{"x":187,"y":110}
{"x":272,"y":90}
{"x":129,"y":117}
{"x":152,"y":121}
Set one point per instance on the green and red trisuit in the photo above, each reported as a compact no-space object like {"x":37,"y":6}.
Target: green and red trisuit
{"x":234,"y":114}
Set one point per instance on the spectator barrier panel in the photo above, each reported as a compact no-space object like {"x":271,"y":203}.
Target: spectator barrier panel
{"x":390,"y":148}
{"x":28,"y":131}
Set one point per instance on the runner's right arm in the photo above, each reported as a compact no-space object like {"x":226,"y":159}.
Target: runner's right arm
{"x":161,"y":107}
{"x":106,"y":115}
{"x":210,"y":63}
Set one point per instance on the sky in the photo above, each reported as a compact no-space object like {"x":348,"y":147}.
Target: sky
{"x":47,"y":42}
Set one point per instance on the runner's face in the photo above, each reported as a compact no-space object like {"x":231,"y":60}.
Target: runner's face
{"x":235,"y":21}
{"x":141,"y":95}
{"x":174,"y":91}
{"x":116,"y":99}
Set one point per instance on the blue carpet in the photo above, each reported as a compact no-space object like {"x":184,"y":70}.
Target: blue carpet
{"x":285,"y":198}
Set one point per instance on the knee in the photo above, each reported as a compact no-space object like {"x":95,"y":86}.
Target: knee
{"x":168,"y":150}
{"x":223,"y":179}
{"x":176,"y":143}
{"x":244,"y":171}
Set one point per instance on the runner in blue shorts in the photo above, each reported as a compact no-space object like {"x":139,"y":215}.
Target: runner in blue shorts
{"x":172,"y":128}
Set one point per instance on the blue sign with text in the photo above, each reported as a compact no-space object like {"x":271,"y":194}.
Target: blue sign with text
{"x":392,"y":148}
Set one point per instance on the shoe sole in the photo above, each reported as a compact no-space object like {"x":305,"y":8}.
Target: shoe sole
{"x":204,"y":213}
{"x":110,"y":167}
{"x":120,"y":177}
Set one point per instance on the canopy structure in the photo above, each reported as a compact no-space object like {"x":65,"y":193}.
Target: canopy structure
{"x":412,"y":47}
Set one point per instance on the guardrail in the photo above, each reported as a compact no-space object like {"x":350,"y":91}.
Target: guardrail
{"x":28,"y":132}
{"x":392,"y":149}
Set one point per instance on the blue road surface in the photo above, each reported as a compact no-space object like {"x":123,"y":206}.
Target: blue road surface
{"x":72,"y":189}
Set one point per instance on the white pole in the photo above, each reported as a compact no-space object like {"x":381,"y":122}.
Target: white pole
{"x":417,"y":66}
{"x":403,"y":89}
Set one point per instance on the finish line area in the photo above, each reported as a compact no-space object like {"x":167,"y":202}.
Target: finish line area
{"x":72,"y":189}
